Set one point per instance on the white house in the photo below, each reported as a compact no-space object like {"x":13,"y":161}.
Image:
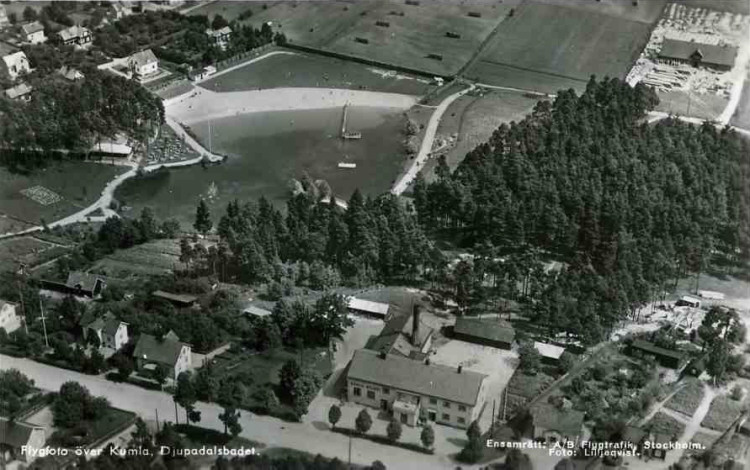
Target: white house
{"x":10,"y":321}
{"x":111,"y":332}
{"x":33,"y":33}
{"x":220,"y":37}
{"x":21,"y":92}
{"x":76,"y":36}
{"x":4,"y":20}
{"x":169,"y":352}
{"x":143,"y":63}
{"x":15,"y":65}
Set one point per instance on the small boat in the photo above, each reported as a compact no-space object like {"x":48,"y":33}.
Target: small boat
{"x":347,"y":165}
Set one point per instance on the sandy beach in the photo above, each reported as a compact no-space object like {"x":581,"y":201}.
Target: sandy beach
{"x":203,"y":104}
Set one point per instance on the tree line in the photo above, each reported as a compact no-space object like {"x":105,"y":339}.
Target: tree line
{"x":72,"y":116}
{"x":626,"y":206}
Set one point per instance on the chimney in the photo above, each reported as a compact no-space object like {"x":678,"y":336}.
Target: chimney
{"x":427,"y":361}
{"x":460,"y":368}
{"x":383,"y":354}
{"x":415,"y":326}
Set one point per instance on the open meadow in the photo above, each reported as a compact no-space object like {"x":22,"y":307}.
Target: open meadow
{"x":436,"y":37}
{"x":26,"y":250}
{"x":568,"y":45}
{"x":704,"y":106}
{"x":154,"y":257}
{"x":53,"y":192}
{"x":308,"y":70}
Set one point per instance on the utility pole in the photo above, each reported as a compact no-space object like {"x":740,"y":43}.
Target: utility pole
{"x":157,"y":419}
{"x":350,"y":452}
{"x":23,"y":308}
{"x":44,"y":323}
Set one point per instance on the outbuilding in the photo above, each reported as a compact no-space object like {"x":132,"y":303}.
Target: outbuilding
{"x":497,"y":334}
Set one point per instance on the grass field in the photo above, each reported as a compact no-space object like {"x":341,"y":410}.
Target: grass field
{"x":154,"y":257}
{"x":722,"y":413}
{"x":687,"y":400}
{"x":21,"y":250}
{"x":415,"y":31}
{"x":566,"y":44}
{"x":474,"y":118}
{"x":306,"y":70}
{"x":705,"y":106}
{"x":646,"y":11}
{"x":78,"y":183}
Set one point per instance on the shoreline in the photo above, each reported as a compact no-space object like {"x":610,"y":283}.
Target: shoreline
{"x":202,"y":104}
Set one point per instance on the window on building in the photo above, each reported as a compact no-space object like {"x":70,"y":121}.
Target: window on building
{"x":446,"y":417}
{"x":386,"y":390}
{"x":462,"y":420}
{"x":461,"y":408}
{"x":433,"y":401}
{"x":371,"y":394}
{"x":357,"y":392}
{"x":446,"y":404}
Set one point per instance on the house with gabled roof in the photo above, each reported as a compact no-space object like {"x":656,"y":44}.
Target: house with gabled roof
{"x":168,"y":352}
{"x":15,"y":436}
{"x":21,"y":92}
{"x":10,"y":320}
{"x":415,"y":391}
{"x":719,"y":56}
{"x":143,"y":63}
{"x":219,"y":37}
{"x":76,"y":36}
{"x":108,"y":329}
{"x":33,"y":33}
{"x":15,"y":64}
{"x":70,"y":74}
{"x":552,"y":423}
{"x":88,"y":284}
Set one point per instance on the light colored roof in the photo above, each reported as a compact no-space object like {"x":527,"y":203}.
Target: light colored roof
{"x":139,"y":59}
{"x":166,"y":351}
{"x":417,"y":377}
{"x":179,"y":298}
{"x":688,"y":298}
{"x":368,"y":306}
{"x":73,"y":32}
{"x":549,"y":350}
{"x":710,"y":53}
{"x":3,"y":303}
{"x":18,"y":90}
{"x":219,"y":32}
{"x":31,"y":28}
{"x":257,"y":311}
{"x":70,"y":73}
{"x":16,"y":58}
{"x":112,"y":148}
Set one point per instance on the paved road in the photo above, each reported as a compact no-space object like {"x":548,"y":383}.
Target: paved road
{"x":429,"y":136}
{"x":270,"y":431}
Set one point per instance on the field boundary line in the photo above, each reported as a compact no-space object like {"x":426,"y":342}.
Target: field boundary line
{"x":526,"y":69}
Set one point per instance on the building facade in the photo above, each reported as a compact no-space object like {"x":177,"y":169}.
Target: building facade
{"x":414,"y":391}
{"x":33,"y":33}
{"x":10,"y":321}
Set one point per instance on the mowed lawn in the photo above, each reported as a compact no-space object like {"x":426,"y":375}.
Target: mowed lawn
{"x":306,"y":70}
{"x":79,"y":184}
{"x":567,"y":45}
{"x":409,"y":33}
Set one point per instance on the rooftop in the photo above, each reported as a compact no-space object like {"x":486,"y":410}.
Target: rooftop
{"x":549,"y":350}
{"x":368,"y":306}
{"x":656,"y":350}
{"x":710,"y":53}
{"x":86,"y":281}
{"x":151,"y":349}
{"x":31,"y":28}
{"x":396,"y":336}
{"x":490,"y":330}
{"x":256,"y":311}
{"x":139,"y":59}
{"x":177,"y":298}
{"x":417,"y":377}
{"x":15,"y":433}
{"x":548,"y":416}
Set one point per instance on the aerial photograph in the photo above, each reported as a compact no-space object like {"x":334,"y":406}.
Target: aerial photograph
{"x":375,"y":234}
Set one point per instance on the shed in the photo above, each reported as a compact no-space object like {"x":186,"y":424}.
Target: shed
{"x":181,"y":300}
{"x":666,"y":357}
{"x":368,"y":307}
{"x":254,"y":311}
{"x":498,"y":334}
{"x":550,"y":353}
{"x":689,"y":301}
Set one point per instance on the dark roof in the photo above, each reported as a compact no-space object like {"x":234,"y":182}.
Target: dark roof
{"x":151,"y":349}
{"x":417,"y":377}
{"x":111,"y":325}
{"x":15,"y":433}
{"x":396,"y":336}
{"x":177,"y":298}
{"x":548,"y":416}
{"x":710,"y":53}
{"x":490,"y":330}
{"x":656,"y":350}
{"x":633,"y":434}
{"x":87,"y":281}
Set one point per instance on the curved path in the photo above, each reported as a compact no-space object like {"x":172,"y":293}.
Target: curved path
{"x":426,"y":147}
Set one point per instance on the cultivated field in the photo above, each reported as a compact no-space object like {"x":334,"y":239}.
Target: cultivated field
{"x":405,"y":34}
{"x":53,"y":192}
{"x":687,"y":400}
{"x":663,"y":423}
{"x":646,"y":11}
{"x":724,"y":410}
{"x":566,"y":44}
{"x":27,"y":250}
{"x":306,"y":70}
{"x":154,"y":257}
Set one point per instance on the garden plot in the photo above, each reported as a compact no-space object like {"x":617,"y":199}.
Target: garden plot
{"x":41,"y":195}
{"x":722,"y":413}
